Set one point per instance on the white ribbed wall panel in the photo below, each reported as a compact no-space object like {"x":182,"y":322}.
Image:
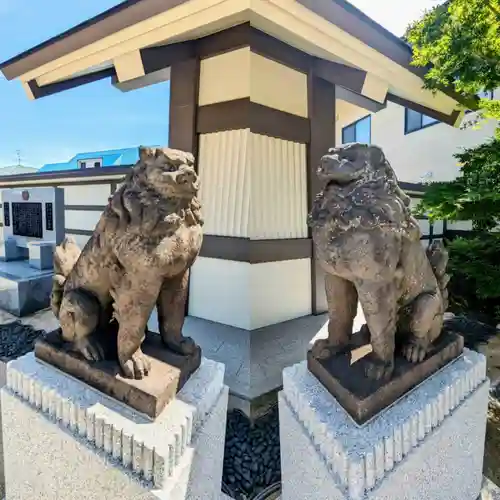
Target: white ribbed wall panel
{"x":225,"y":183}
{"x":278,"y":207}
{"x":253,"y":185}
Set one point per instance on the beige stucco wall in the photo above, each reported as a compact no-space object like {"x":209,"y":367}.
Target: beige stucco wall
{"x":426,"y":151}
{"x":241,"y":73}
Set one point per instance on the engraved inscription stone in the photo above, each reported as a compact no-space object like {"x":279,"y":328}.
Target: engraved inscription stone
{"x":27,"y":220}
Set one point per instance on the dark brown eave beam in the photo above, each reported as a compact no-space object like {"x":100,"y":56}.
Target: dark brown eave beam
{"x":343,"y":94}
{"x":158,"y":58}
{"x":338,"y":74}
{"x":450,"y":119}
{"x":55,"y":88}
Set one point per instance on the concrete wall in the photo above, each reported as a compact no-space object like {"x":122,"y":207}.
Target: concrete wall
{"x":425,"y":153}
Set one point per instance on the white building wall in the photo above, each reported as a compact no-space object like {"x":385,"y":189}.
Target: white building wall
{"x":426,"y":153}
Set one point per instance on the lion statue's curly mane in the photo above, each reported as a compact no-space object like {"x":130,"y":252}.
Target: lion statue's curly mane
{"x":361,"y":191}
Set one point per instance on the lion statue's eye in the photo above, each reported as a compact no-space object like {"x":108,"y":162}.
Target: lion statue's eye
{"x":171,"y":168}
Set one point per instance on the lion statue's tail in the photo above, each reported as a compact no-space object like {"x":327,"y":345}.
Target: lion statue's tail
{"x":438,"y":258}
{"x":65,"y":256}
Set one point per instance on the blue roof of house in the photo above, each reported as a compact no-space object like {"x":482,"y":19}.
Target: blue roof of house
{"x":110,"y":158}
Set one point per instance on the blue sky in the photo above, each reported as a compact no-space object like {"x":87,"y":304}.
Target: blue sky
{"x":98,"y":116}
{"x":93,"y":117}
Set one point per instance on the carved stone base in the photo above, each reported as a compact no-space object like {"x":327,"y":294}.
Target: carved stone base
{"x":169,"y":372}
{"x":23,"y":289}
{"x":65,"y":441}
{"x":428,"y":445}
{"x":363,"y":398}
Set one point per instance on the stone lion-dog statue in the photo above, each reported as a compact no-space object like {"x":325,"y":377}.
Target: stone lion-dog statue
{"x":368,"y":244}
{"x":138,"y":257}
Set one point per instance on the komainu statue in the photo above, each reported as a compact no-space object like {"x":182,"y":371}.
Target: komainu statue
{"x":138,"y":257}
{"x":369,"y":246}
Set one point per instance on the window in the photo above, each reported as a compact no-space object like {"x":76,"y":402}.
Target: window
{"x":359,"y":131}
{"x":415,"y":121}
{"x":90,"y":163}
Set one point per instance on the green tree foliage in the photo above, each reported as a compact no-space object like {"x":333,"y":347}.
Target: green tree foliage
{"x":475,"y":275}
{"x":474,"y":195}
{"x":459,"y":41}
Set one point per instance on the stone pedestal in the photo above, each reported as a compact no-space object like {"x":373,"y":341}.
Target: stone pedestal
{"x":24,"y":289}
{"x":9,"y":250}
{"x":428,"y":445}
{"x":63,"y":440}
{"x":41,"y":254}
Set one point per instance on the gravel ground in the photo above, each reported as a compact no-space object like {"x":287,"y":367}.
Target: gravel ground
{"x":252,"y":454}
{"x":17,"y":339}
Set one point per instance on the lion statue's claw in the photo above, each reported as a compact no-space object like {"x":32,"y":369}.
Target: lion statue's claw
{"x":90,"y":349}
{"x":414,"y":352}
{"x":322,"y":349}
{"x":379,"y":370}
{"x":137,"y":367}
{"x":185,"y":347}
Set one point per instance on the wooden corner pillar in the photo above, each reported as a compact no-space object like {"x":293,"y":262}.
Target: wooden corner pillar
{"x":321,"y":99}
{"x":184,"y":83}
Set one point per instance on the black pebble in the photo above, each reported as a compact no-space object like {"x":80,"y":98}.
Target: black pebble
{"x":252,"y":453}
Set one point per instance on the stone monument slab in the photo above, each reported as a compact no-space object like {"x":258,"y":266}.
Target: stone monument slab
{"x":169,"y":371}
{"x":33,"y":215}
{"x":428,"y":445}
{"x":33,"y":223}
{"x":363,"y":398}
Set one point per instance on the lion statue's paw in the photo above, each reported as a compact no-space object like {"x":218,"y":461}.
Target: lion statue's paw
{"x":377,"y":369}
{"x":414,"y":351}
{"x":322,"y":349}
{"x":186,"y":346}
{"x":90,"y":348}
{"x":137,"y":367}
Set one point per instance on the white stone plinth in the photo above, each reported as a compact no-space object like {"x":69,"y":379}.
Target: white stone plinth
{"x":63,"y":440}
{"x":427,"y":446}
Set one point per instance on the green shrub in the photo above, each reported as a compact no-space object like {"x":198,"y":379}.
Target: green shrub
{"x":475,"y":275}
